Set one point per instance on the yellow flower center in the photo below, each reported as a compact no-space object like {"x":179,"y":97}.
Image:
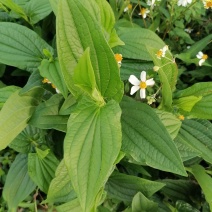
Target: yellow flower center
{"x":208,"y":4}
{"x":45,"y":80}
{"x":181,"y":117}
{"x":205,"y":56}
{"x":129,"y":6}
{"x":143,"y":11}
{"x":142,"y":85}
{"x":53,"y":86}
{"x":159,"y":53}
{"x":118,"y":57}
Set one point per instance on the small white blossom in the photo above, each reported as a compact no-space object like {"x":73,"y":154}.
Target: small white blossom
{"x":144,"y":12}
{"x":140,"y":84}
{"x":183,"y":2}
{"x":129,"y":7}
{"x":189,"y":30}
{"x":162,"y":52}
{"x":202,"y":57}
{"x":207,"y":4}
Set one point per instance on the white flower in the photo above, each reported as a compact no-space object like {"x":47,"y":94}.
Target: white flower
{"x":207,"y":4}
{"x":129,"y":7}
{"x":202,"y":57}
{"x":184,"y":2}
{"x":143,"y":12}
{"x":140,"y":84}
{"x":189,"y":30}
{"x":162,"y":52}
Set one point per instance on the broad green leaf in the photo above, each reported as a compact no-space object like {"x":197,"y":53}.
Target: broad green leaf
{"x":136,"y":42}
{"x":204,"y":180}
{"x":170,"y":121}
{"x":34,"y":80}
{"x":84,"y":77}
{"x":15,"y":8}
{"x":114,"y":39}
{"x":197,"y":135}
{"x":27,"y":139}
{"x":6,"y":92}
{"x":15,"y":114}
{"x":18,"y":184}
{"x":46,"y":115}
{"x":187,"y":103}
{"x":54,"y":4}
{"x":70,"y":206}
{"x":60,"y":189}
{"x":168,"y":75}
{"x":202,"y":109}
{"x":141,"y":203}
{"x":124,"y":187}
{"x":42,"y":171}
{"x":185,"y":190}
{"x":68,"y":105}
{"x":146,"y":139}
{"x":91,"y":147}
{"x":14,"y":52}
{"x":51,"y":71}
{"x":37,"y":10}
{"x":84,"y":30}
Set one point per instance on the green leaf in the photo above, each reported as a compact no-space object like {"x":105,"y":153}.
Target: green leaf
{"x":14,"y":52}
{"x":170,"y":121}
{"x":42,"y":171}
{"x":15,"y":8}
{"x":37,"y":10}
{"x":197,"y":135}
{"x":87,"y":33}
{"x":195,"y":48}
{"x":60,"y":189}
{"x":6,"y":92}
{"x":205,"y":182}
{"x":84,"y":77}
{"x":14,"y":117}
{"x":141,"y":203}
{"x":46,"y":115}
{"x":91,"y":146}
{"x":51,"y":71}
{"x":124,"y":187}
{"x":136,"y":42}
{"x":202,"y":109}
{"x":114,"y":39}
{"x":18,"y":184}
{"x":70,"y":206}
{"x":68,"y":105}
{"x":34,"y":80}
{"x":185,"y":190}
{"x":145,"y":138}
{"x":27,"y":138}
{"x":54,"y":6}
{"x":187,"y":103}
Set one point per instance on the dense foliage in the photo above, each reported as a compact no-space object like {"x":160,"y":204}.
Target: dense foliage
{"x":106,"y":105}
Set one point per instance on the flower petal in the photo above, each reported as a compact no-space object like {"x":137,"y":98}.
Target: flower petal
{"x":150,"y":82}
{"x":199,"y":55}
{"x":201,"y":62}
{"x":143,"y":93}
{"x":134,"y":80}
{"x":134,"y":89}
{"x":143,"y":76}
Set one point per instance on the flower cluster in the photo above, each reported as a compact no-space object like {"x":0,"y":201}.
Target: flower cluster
{"x":45,"y":80}
{"x":118,"y":58}
{"x":128,"y":8}
{"x":140,"y":84}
